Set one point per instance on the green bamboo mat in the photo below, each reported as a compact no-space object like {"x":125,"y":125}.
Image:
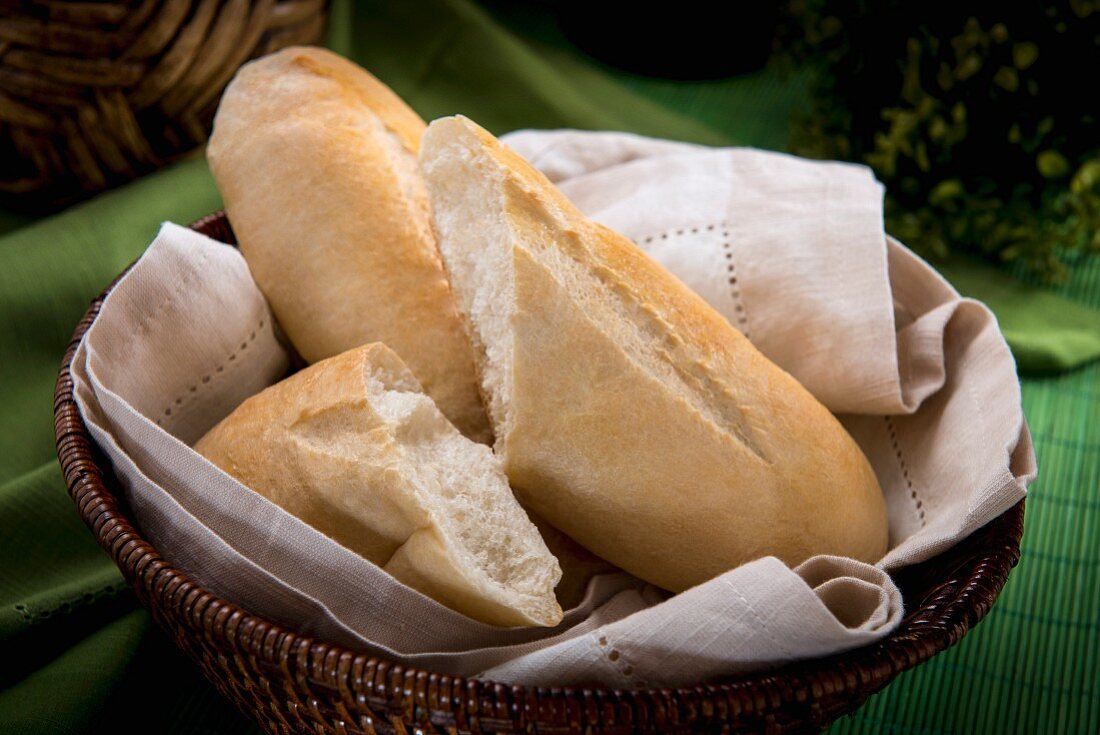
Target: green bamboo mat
{"x":1033,"y":665}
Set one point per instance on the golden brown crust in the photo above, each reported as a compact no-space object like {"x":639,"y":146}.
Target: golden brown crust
{"x":279,"y":444}
{"x":329,"y":448}
{"x":676,"y":464}
{"x":391,"y":109}
{"x":315,"y":160}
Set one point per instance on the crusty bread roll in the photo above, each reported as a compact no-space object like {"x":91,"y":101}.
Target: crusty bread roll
{"x":627,"y":411}
{"x":316,"y":162}
{"x":352,"y":447}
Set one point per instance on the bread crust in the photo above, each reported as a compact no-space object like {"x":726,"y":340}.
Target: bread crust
{"x":316,"y":162}
{"x":325,"y":447}
{"x":675,"y":480}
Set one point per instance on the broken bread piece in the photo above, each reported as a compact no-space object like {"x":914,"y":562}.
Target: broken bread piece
{"x":626,"y":410}
{"x":353,"y":447}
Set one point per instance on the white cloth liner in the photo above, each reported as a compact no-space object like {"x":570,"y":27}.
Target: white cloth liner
{"x":792,"y":252}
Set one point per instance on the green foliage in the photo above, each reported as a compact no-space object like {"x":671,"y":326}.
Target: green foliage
{"x":980,"y":118}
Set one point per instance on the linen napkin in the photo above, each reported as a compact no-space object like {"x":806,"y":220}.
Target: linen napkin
{"x":791,"y":252}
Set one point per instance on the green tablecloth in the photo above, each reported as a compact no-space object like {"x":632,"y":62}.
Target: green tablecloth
{"x":82,"y":656}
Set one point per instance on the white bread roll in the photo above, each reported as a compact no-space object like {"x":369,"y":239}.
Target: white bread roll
{"x":628,"y":412}
{"x":316,"y":162}
{"x":351,"y":446}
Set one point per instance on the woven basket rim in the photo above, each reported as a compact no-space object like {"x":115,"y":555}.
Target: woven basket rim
{"x":973,"y":579}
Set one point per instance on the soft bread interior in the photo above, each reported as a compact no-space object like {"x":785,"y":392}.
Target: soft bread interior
{"x":463,"y":488}
{"x":476,"y":245}
{"x":353,"y":446}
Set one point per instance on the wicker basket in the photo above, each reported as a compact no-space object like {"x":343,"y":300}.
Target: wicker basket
{"x":294,"y":684}
{"x":93,"y":94}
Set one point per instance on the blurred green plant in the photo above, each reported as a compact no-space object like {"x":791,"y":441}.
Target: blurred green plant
{"x":980,"y":118}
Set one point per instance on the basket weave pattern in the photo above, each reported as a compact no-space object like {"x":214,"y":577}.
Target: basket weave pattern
{"x":295,"y":684}
{"x":93,"y":94}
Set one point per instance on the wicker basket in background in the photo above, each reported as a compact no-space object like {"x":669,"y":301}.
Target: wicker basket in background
{"x":93,"y":94}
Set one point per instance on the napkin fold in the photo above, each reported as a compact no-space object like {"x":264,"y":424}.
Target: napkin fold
{"x":791,"y":252}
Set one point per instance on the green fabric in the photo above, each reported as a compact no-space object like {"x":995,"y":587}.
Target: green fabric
{"x":82,"y":656}
{"x":68,"y":623}
{"x":51,"y":269}
{"x":1047,"y":331}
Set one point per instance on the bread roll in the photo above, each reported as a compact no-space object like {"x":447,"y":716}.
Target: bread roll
{"x":352,"y":447}
{"x":627,"y":411}
{"x":316,"y":162}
